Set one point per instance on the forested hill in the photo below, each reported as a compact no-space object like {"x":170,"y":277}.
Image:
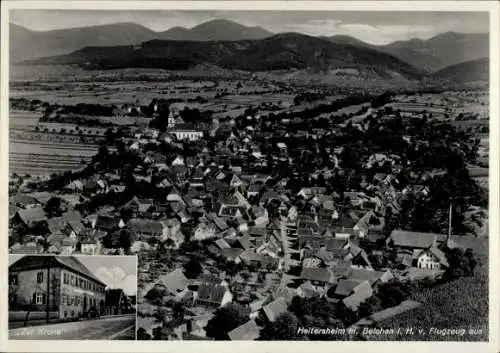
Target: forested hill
{"x":280,"y":52}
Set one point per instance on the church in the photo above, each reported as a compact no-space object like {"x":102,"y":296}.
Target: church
{"x":181,"y":130}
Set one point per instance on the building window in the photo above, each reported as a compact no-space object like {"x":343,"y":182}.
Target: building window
{"x":13,"y":279}
{"x":39,"y":298}
{"x":39,"y":277}
{"x":72,"y":280}
{"x":78,"y":300}
{"x":66,"y":278}
{"x":64,"y":299}
{"x":65,"y":314}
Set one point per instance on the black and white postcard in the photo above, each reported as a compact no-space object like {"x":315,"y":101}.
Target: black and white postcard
{"x":250,"y":172}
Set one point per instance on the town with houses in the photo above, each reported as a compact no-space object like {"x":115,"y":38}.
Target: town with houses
{"x":249,"y":227}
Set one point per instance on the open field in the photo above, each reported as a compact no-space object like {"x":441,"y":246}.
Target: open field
{"x":23,"y":119}
{"x":43,"y":157}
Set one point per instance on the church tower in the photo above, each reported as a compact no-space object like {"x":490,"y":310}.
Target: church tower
{"x":171,"y":120}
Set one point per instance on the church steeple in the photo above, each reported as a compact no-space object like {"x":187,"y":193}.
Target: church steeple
{"x":171,"y":120}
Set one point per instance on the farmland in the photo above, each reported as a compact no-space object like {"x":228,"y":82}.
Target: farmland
{"x":42,"y":154}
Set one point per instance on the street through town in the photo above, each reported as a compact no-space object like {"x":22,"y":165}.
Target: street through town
{"x":107,"y":328}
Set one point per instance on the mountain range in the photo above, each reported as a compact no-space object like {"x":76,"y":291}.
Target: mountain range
{"x":469,"y":71}
{"x":433,"y":54}
{"x":235,"y":46}
{"x":26,"y":44}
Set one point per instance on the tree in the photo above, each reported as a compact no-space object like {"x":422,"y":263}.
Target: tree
{"x":226,"y":319}
{"x":392,"y":293}
{"x":53,"y":207}
{"x":283,"y":329}
{"x":126,"y":239}
{"x":193,"y":268}
{"x":142,"y":335}
{"x":460,"y":263}
{"x":156,"y":294}
{"x":178,"y":311}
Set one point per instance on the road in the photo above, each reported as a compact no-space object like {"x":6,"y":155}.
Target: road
{"x":120,"y":327}
{"x":287,"y":235}
{"x":284,"y":241}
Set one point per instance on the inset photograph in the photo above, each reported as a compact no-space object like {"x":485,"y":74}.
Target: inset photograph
{"x":72,"y":297}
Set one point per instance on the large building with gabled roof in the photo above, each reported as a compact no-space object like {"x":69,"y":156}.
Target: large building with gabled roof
{"x":60,"y":284}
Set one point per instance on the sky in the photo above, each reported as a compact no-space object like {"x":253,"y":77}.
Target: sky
{"x":376,"y":27}
{"x":114,"y":271}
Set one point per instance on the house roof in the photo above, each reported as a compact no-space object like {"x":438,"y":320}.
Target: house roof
{"x":55,"y":224}
{"x":439,"y":255}
{"x":258,"y":211}
{"x":85,"y":232}
{"x":307,"y":289}
{"x":256,"y":232}
{"x":335,"y":244}
{"x":89,"y":240}
{"x":231,"y":253}
{"x":35,"y":214}
{"x":55,"y":239}
{"x":113,"y":297}
{"x":362,"y":292}
{"x":249,"y":256}
{"x":220,"y":208}
{"x":72,"y":216}
{"x":222,"y":244}
{"x":244,"y":242}
{"x":42,"y":196}
{"x":275,"y":309}
{"x":341,"y":268}
{"x":318,"y":274}
{"x":142,"y":204}
{"x":249,"y":331}
{"x":183,"y":127}
{"x":255,"y":187}
{"x":414,"y":239}
{"x":175,"y":281}
{"x":371,"y":276}
{"x":209,"y":278}
{"x":35,"y":262}
{"x":211,"y":292}
{"x":25,"y":249}
{"x":148,"y":225}
{"x":345,"y":287}
{"x":107,"y":222}
{"x":23,"y":199}
{"x":229,"y":200}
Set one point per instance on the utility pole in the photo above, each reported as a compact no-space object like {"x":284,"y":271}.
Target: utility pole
{"x":449,"y":221}
{"x":48,"y":290}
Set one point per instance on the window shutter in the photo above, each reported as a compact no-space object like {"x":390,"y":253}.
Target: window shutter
{"x":43,"y":298}
{"x":33,"y":299}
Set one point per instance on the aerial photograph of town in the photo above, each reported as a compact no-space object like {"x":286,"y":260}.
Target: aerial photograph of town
{"x":278,"y":175}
